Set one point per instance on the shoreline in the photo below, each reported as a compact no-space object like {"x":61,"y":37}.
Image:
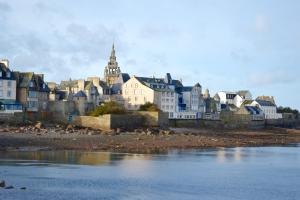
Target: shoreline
{"x":143,"y":141}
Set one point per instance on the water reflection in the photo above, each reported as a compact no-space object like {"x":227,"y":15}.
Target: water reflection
{"x":137,"y":162}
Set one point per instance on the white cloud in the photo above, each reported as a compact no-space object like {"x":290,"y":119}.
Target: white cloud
{"x":262,"y":24}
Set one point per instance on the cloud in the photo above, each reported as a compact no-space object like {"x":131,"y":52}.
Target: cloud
{"x":262,"y":24}
{"x":4,"y":7}
{"x":69,"y":51}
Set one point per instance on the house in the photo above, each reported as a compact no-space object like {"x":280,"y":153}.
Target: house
{"x":253,"y":111}
{"x":160,"y":91}
{"x":32,"y":91}
{"x":8,"y":101}
{"x":233,"y":100}
{"x":72,"y":87}
{"x":269,"y":108}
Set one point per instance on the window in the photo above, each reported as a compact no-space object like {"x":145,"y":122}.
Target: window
{"x":32,"y":94}
{"x":136,"y":98}
{"x":32,"y":104}
{"x":1,"y":83}
{"x":1,"y":93}
{"x":8,"y":93}
{"x":0,"y":74}
{"x":8,"y":74}
{"x":31,"y":84}
{"x":44,"y":85}
{"x":136,"y":85}
{"x":8,"y":83}
{"x":135,"y":91}
{"x":141,"y":91}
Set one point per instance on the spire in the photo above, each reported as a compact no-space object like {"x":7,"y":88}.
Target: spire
{"x":113,"y":53}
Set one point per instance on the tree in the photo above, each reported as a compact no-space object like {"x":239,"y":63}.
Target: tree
{"x":287,"y":110}
{"x":149,"y":107}
{"x":108,"y":108}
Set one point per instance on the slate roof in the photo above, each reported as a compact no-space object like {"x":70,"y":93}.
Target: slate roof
{"x":80,"y":94}
{"x":264,"y":103}
{"x":125,"y":77}
{"x":24,"y":79}
{"x":4,"y":71}
{"x":253,"y":110}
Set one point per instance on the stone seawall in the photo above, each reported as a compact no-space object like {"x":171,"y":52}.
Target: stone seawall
{"x":216,"y":124}
{"x":108,"y":122}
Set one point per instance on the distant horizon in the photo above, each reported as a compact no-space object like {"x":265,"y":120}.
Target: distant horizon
{"x":225,"y":46}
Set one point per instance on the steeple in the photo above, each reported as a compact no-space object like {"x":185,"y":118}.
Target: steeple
{"x":112,"y":70}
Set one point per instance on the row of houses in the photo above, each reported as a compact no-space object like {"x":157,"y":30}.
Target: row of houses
{"x":20,"y":91}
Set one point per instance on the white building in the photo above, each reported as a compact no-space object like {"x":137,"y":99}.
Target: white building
{"x":233,"y":98}
{"x":140,"y":90}
{"x":8,"y":86}
{"x":269,"y":109}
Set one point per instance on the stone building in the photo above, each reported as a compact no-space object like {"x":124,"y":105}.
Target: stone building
{"x":32,"y":91}
{"x":160,"y":91}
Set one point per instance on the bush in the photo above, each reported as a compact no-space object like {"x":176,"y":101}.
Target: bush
{"x":287,"y":110}
{"x":149,"y":107}
{"x":108,"y":108}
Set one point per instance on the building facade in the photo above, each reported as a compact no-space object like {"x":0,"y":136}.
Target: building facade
{"x":32,"y":91}
{"x":8,"y":87}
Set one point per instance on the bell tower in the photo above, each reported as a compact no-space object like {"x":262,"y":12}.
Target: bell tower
{"x":112,"y":70}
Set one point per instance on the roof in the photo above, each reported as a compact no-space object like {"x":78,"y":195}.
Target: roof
{"x":4,"y":71}
{"x":80,"y":94}
{"x":247,"y":102}
{"x":125,"y":77}
{"x":25,"y":78}
{"x":197,"y":85}
{"x":87,"y":85}
{"x":253,"y":110}
{"x":264,"y":102}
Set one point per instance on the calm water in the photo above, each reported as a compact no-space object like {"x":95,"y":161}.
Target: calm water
{"x":234,"y":173}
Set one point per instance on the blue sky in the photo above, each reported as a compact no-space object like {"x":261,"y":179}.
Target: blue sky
{"x":223,"y":45}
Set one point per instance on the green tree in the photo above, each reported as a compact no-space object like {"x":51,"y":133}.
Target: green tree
{"x":111,"y":107}
{"x":149,"y":107}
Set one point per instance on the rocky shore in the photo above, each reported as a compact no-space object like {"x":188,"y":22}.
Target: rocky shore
{"x":149,"y":140}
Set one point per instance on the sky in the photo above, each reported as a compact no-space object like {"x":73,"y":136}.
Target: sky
{"x":222,"y":44}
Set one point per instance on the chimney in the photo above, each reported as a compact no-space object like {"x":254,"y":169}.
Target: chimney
{"x":5,"y":62}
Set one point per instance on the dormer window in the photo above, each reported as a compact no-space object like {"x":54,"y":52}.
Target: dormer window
{"x":31,"y":84}
{"x":44,"y":85}
{"x":8,"y":74}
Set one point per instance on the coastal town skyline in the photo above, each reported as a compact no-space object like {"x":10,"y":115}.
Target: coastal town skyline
{"x":162,"y":48}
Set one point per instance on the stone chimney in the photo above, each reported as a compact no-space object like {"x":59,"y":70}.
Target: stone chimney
{"x":5,"y":62}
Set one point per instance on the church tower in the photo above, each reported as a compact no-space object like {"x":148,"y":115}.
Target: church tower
{"x":112,"y":70}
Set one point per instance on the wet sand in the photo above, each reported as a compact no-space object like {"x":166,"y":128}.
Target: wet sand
{"x":140,"y":141}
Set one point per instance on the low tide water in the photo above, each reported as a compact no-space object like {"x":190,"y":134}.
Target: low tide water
{"x":224,"y":173}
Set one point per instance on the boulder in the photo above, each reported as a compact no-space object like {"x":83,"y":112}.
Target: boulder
{"x":38,"y":125}
{"x":2,"y":183}
{"x":69,"y":127}
{"x":118,"y":131}
{"x":9,"y":187}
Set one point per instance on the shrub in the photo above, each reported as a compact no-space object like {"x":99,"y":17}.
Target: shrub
{"x":108,"y":108}
{"x":149,"y":107}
